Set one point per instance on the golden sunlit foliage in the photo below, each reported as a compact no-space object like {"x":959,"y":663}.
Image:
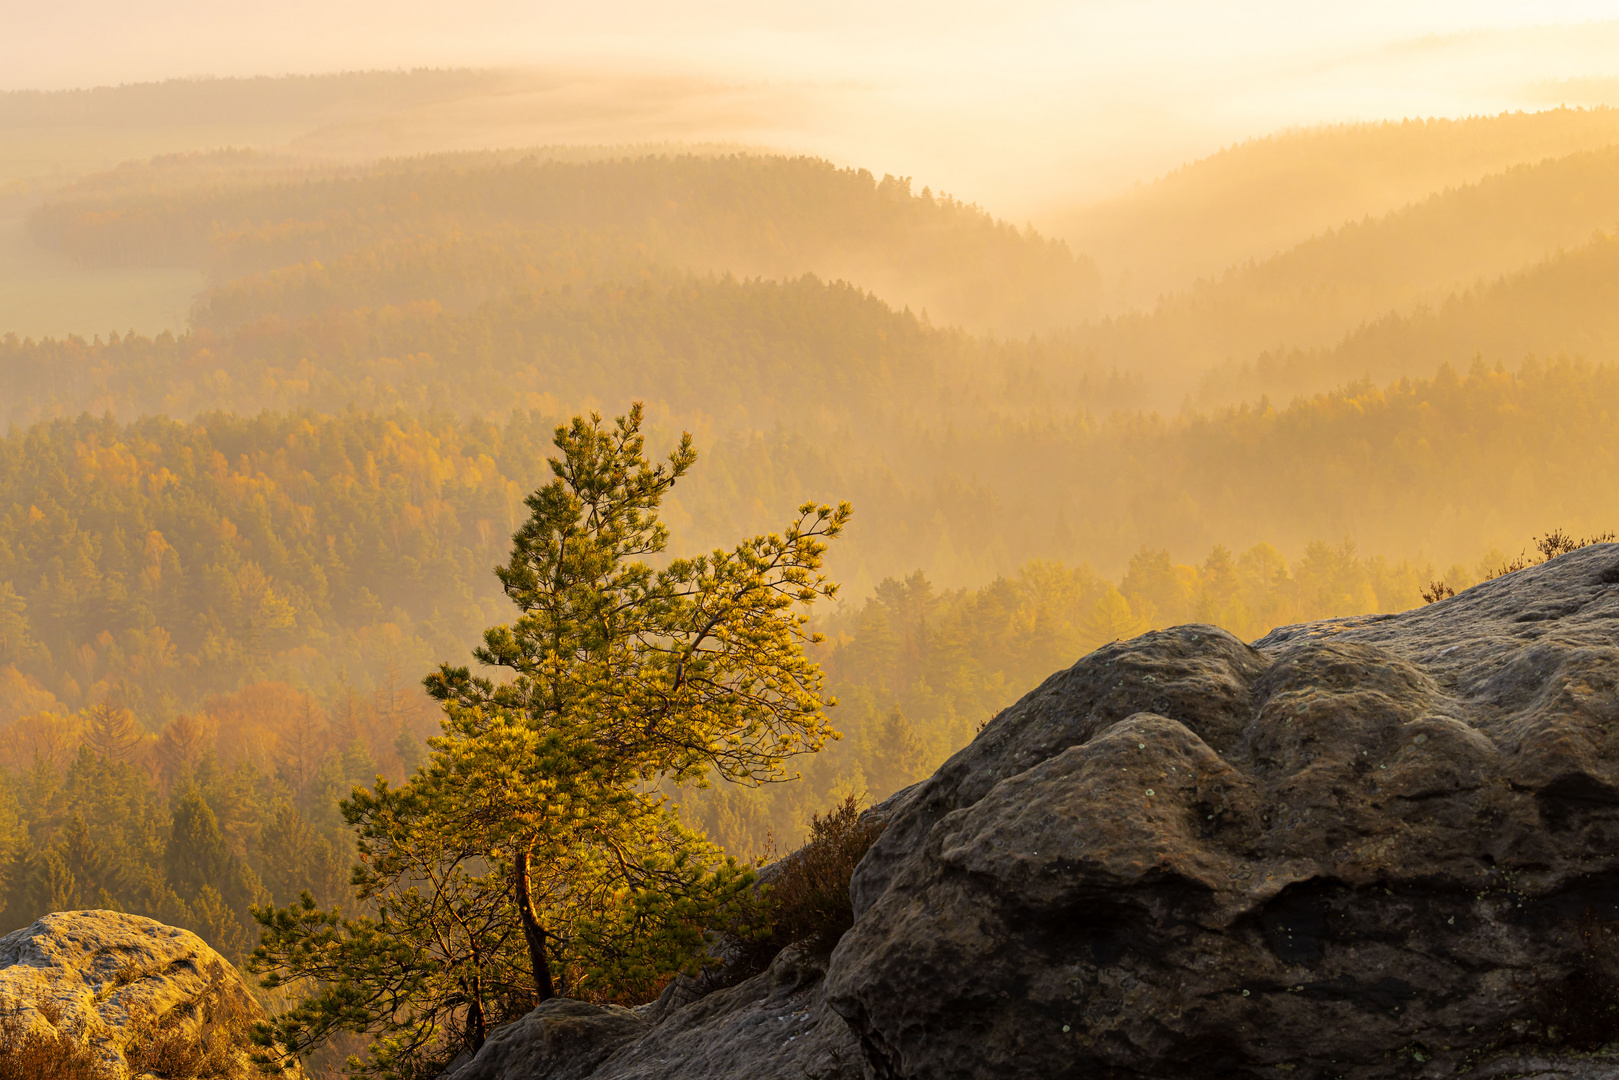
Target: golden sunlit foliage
{"x":552,"y":864}
{"x":169,"y":561}
{"x":221,"y":809}
{"x":162,"y":562}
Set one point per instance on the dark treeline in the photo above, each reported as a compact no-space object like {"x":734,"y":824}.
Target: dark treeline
{"x":754,"y":353}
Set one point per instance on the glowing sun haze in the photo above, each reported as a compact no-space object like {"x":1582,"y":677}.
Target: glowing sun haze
{"x":1018,"y":104}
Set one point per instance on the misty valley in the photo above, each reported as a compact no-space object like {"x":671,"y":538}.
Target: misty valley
{"x":550,"y":611}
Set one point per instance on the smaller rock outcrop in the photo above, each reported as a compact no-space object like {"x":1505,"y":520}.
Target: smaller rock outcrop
{"x":142,"y":996}
{"x":562,"y":1039}
{"x":774,"y":1026}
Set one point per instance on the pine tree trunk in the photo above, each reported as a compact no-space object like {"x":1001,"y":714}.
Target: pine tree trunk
{"x":477,"y":1025}
{"x":535,"y":935}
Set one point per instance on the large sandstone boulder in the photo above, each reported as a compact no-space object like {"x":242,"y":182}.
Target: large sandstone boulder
{"x":1374,"y":847}
{"x":142,"y":995}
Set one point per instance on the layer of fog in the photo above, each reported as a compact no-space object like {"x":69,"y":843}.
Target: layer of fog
{"x":1027,"y":107}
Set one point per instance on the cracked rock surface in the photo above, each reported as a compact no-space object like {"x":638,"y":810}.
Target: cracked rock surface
{"x":1383,"y":846}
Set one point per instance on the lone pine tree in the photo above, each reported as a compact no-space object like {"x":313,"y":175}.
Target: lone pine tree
{"x":532,"y":853}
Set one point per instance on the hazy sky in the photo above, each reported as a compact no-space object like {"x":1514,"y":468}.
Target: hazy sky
{"x":1020,"y":101}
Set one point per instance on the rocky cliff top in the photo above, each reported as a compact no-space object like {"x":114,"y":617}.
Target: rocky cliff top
{"x":1366,"y":848}
{"x":1352,"y":849}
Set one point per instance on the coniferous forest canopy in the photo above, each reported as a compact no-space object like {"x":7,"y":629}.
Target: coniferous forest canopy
{"x":230,"y":550}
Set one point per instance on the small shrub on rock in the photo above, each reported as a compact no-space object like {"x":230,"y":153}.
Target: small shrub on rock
{"x":175,"y":1054}
{"x":810,"y":893}
{"x":1555,"y":543}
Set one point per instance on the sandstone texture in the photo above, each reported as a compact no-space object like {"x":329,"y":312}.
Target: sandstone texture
{"x":774,"y":1026}
{"x":1375,"y":847}
{"x":561,"y":1039}
{"x":118,"y":982}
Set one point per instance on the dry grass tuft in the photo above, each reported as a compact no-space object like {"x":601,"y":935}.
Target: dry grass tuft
{"x":167,"y":1053}
{"x":215,"y":1054}
{"x":37,"y":1055}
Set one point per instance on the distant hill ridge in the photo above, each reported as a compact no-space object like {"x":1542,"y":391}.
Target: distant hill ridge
{"x":1328,"y":288}
{"x":1565,"y":305}
{"x":250,"y":100}
{"x":1265,"y":195}
{"x":748,"y":214}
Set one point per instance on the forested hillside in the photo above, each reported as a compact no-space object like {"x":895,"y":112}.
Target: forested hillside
{"x":163,"y":564}
{"x":755,"y":353}
{"x":1318,"y":292}
{"x":885,"y":417}
{"x":343,"y":251}
{"x":187,"y":773}
{"x":1567,"y":305}
{"x":1266,"y":195}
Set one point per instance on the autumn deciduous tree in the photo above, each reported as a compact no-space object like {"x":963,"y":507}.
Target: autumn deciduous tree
{"x":532,"y":853}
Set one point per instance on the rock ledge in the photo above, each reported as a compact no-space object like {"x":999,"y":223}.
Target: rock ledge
{"x":1366,"y":848}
